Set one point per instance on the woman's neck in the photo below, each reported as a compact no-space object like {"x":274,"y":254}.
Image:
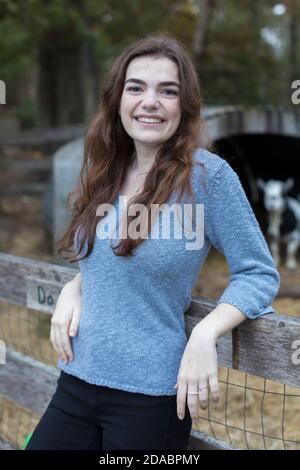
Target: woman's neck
{"x":143,"y":160}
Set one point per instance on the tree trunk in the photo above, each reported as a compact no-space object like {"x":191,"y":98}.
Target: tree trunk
{"x":201,"y":29}
{"x":61,"y":85}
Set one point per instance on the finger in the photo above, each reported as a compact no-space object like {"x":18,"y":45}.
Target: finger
{"x":73,"y":330}
{"x":203,"y":394}
{"x":52,"y":336}
{"x":60,"y":349}
{"x":65,"y":343}
{"x":54,"y":340}
{"x":192,"y":399}
{"x":181,"y":398}
{"x":214,"y":388}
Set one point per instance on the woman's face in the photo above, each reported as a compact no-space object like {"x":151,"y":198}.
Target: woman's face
{"x":151,"y":90}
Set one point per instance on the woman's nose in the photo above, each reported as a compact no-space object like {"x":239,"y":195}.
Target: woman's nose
{"x":150,"y":100}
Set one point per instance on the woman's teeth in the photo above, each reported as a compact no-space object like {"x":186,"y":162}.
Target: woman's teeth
{"x":149,"y":120}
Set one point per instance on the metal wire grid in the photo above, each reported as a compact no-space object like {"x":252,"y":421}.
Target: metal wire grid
{"x":276,"y":421}
{"x":27,"y":331}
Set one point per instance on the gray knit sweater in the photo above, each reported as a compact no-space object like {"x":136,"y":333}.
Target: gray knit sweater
{"x":132,"y":334}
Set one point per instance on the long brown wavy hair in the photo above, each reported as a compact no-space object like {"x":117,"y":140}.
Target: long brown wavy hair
{"x":108,"y":149}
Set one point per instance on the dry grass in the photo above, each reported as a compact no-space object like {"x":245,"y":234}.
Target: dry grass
{"x":245,"y":417}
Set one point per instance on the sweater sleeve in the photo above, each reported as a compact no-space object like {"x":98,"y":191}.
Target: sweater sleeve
{"x":232,"y":228}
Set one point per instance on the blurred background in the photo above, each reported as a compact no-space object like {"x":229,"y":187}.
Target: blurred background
{"x":53,"y":57}
{"x":54,"y":54}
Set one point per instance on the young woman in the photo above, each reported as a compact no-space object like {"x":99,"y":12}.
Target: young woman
{"x":130,"y":379}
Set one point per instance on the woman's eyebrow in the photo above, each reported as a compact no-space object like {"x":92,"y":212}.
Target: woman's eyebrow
{"x":141,"y":82}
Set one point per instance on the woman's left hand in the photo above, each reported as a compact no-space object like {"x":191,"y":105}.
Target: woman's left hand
{"x":198,"y":373}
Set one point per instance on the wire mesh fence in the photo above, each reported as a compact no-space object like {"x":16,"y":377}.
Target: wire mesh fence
{"x":253,"y":412}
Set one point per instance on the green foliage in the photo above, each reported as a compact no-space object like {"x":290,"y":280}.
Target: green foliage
{"x":26,"y":113}
{"x":16,"y":58}
{"x":238,"y":64}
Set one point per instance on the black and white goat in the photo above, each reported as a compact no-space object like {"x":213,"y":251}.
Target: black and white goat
{"x":284,"y":219}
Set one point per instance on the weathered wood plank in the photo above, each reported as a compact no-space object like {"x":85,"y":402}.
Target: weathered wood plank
{"x":42,"y":294}
{"x":24,"y":189}
{"x":31,"y":384}
{"x":15,"y":271}
{"x":27,"y":167}
{"x":27,"y":382}
{"x":267,"y":347}
{"x":45,"y":136}
{"x":200,"y":441}
{"x":6,"y":445}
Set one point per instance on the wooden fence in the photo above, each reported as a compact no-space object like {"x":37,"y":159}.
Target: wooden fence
{"x":263,"y":347}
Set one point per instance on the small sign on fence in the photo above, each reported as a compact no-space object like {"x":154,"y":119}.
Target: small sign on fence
{"x":41,"y":294}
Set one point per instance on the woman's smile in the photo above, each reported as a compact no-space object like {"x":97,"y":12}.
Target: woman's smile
{"x":149,"y":123}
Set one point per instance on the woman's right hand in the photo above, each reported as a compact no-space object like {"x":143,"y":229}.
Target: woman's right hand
{"x":65,"y":319}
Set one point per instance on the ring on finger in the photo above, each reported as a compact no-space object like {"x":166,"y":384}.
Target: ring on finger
{"x":199,"y":390}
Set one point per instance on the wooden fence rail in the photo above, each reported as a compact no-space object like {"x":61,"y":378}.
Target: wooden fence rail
{"x":39,"y":137}
{"x":266,"y":347}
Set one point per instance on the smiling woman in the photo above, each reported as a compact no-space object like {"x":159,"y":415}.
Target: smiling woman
{"x":151,"y":106}
{"x":119,"y":326}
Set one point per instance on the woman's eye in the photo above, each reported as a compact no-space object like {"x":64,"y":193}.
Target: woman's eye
{"x":133,"y":88}
{"x":173,"y":92}
{"x":137,"y":88}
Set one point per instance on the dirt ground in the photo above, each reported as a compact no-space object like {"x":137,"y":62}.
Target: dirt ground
{"x":253,"y":413}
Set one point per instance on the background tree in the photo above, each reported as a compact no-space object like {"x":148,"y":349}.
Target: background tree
{"x":55,"y":53}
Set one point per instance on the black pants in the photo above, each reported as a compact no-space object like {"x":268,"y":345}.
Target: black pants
{"x":85,"y":416}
